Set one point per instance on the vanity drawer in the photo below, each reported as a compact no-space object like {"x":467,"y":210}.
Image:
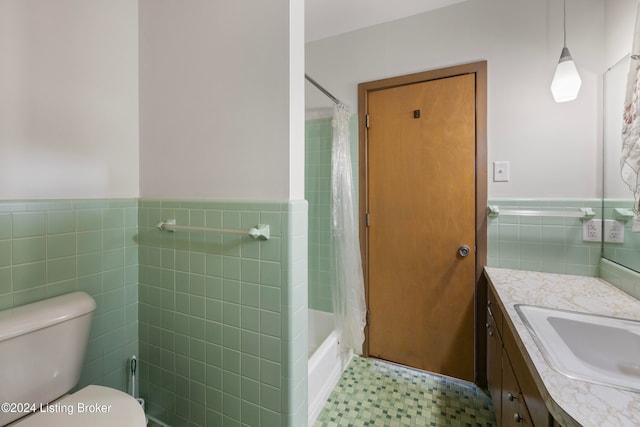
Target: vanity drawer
{"x":514,"y":411}
{"x":539,"y":414}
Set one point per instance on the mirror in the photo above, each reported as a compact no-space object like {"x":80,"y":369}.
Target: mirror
{"x":616,"y":193}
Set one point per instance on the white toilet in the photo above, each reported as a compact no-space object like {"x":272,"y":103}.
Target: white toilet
{"x":42,"y":347}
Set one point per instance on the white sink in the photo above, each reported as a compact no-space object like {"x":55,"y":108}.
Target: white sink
{"x":599,"y":349}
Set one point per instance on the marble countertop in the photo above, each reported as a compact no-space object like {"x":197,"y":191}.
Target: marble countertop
{"x":571,"y":402}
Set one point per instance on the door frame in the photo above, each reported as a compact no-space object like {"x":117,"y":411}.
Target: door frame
{"x":478,"y":68}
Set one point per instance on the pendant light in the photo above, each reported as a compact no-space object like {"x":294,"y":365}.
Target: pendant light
{"x":566,"y":81}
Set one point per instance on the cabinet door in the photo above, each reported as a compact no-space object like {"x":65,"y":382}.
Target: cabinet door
{"x":494,"y":365}
{"x":514,"y":410}
{"x":538,"y":413}
{"x":494,"y":309}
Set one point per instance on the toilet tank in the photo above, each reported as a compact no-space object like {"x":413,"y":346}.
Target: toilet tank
{"x":42,"y":347}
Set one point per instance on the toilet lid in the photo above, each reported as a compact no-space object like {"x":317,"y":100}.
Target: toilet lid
{"x":94,"y":406}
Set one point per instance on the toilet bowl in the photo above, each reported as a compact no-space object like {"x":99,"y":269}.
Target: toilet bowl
{"x":42,"y":347}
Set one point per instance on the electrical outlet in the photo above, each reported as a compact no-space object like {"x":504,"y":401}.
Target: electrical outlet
{"x":592,"y":230}
{"x":613,"y":231}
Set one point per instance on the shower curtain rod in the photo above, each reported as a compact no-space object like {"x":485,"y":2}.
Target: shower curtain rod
{"x":323,"y":90}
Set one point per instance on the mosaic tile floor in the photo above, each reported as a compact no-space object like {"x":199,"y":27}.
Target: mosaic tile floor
{"x":376,"y":393}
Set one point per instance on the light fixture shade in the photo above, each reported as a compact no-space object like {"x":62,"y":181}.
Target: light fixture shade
{"x":566,"y":81}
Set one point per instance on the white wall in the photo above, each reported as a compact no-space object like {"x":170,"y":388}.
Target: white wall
{"x":554,"y":149}
{"x":620,"y":21}
{"x":296,"y":100}
{"x":68,"y":99}
{"x":221,"y":95}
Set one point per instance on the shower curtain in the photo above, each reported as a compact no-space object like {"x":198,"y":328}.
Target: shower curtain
{"x":346,"y":265}
{"x":630,"y":158}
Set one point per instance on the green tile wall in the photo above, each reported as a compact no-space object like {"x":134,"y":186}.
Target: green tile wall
{"x":621,"y":277}
{"x":548,"y":244}
{"x":318,"y":137}
{"x":627,"y":253}
{"x":318,"y":140}
{"x":49,"y":248}
{"x":223,"y":318}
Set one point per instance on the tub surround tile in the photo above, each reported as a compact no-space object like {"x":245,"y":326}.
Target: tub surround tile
{"x":571,"y":402}
{"x":318,"y":140}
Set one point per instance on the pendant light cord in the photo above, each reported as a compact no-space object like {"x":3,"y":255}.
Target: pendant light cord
{"x":564,"y":21}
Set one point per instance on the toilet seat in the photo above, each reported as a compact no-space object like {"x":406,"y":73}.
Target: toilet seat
{"x":94,"y":406}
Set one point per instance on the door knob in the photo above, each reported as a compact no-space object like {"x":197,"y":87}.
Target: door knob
{"x":464,"y":251}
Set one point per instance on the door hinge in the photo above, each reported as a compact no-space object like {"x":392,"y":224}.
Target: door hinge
{"x":367,"y":317}
{"x":366,"y":121}
{"x":367,"y":219}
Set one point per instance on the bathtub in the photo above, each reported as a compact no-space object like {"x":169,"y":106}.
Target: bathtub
{"x":325,"y":364}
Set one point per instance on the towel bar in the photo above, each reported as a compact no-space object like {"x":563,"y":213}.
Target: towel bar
{"x":259,"y":231}
{"x":581,"y":213}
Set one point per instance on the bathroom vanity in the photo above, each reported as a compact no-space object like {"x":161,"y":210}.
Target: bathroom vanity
{"x":525,"y":387}
{"x":516,"y":398}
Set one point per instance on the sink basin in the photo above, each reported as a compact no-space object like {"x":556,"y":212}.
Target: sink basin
{"x":600,"y":349}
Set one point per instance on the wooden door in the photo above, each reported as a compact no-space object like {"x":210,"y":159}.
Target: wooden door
{"x":421,"y":183}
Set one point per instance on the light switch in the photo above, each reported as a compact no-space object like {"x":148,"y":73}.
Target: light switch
{"x":501,"y":171}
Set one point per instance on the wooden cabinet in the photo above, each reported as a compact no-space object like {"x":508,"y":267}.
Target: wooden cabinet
{"x":494,"y":363}
{"x":514,"y":410}
{"x":516,"y":398}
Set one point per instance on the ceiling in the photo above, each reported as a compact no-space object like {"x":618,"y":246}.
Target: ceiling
{"x":326,"y":18}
